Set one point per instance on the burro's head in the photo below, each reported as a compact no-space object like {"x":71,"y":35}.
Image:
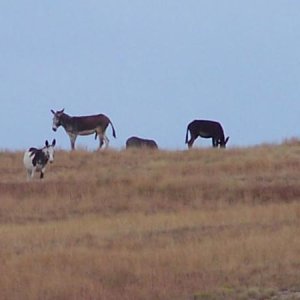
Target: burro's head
{"x":57,"y":118}
{"x":49,"y":150}
{"x":223,"y":143}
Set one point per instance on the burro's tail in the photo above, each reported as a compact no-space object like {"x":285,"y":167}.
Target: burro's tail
{"x":113,"y":129}
{"x":187,"y":135}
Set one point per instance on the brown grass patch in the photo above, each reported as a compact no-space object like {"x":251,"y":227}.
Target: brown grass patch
{"x":152,"y":225}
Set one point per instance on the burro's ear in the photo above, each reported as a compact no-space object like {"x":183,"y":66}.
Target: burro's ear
{"x":47,"y":143}
{"x":53,"y":142}
{"x":53,"y":111}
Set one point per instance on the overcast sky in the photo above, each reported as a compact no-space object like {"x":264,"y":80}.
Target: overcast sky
{"x":152,"y":66}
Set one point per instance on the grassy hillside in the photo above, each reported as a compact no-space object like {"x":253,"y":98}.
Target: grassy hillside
{"x":199,"y":224}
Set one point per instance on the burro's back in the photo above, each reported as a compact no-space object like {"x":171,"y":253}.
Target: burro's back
{"x":140,"y":143}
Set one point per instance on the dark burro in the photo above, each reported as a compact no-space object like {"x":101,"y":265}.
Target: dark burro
{"x":206,"y":129}
{"x":137,"y":142}
{"x":83,"y":125}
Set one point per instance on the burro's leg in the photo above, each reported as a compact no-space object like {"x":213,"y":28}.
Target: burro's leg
{"x":30,"y":174}
{"x":72,"y":140}
{"x":43,"y":172}
{"x":106,"y":139}
{"x":103,"y":139}
{"x":215,"y":142}
{"x":191,"y":141}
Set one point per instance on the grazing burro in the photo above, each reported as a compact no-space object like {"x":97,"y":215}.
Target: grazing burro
{"x":206,"y":129}
{"x":137,"y":142}
{"x":35,"y":160}
{"x":83,"y":125}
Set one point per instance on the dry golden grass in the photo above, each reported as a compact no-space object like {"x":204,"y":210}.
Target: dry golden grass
{"x":199,"y":224}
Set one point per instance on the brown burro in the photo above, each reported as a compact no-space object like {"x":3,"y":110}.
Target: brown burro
{"x":83,"y":125}
{"x":137,"y":142}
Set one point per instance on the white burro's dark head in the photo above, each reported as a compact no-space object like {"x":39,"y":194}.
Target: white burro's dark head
{"x":48,"y":150}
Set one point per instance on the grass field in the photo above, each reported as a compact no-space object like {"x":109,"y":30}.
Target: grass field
{"x":199,"y":224}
